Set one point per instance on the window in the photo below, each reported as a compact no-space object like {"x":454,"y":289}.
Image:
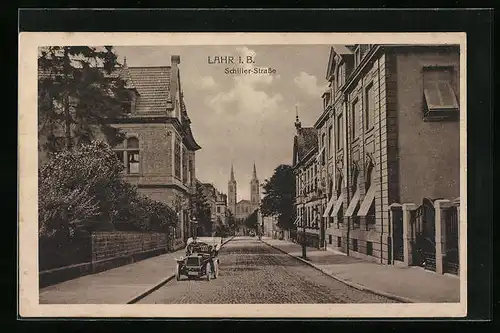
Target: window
{"x":439,"y":94}
{"x":184,"y":166}
{"x":370,"y":217}
{"x":369,"y":248}
{"x":369,"y":107}
{"x":190,"y":172}
{"x":177,"y":158}
{"x":340,"y":133}
{"x":354,"y":244}
{"x":120,"y":156}
{"x":126,"y":99}
{"x":340,"y":216}
{"x":132,"y":150}
{"x":330,"y":239}
{"x":339,"y":241}
{"x":326,"y":100}
{"x":355,"y":118}
{"x":330,"y":133}
{"x":337,"y":78}
{"x":341,"y":75}
{"x":323,"y":148}
{"x":357,"y":56}
{"x":128,"y":153}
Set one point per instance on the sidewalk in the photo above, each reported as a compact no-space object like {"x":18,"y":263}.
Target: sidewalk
{"x":406,"y":284}
{"x":120,"y":285}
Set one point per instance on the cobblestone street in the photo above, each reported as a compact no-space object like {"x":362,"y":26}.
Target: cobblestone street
{"x":253,"y":272}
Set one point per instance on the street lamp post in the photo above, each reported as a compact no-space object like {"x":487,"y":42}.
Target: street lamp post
{"x":194,"y":227}
{"x":304,"y":255}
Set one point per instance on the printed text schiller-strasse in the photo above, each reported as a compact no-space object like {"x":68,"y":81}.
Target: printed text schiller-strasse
{"x":246,"y":71}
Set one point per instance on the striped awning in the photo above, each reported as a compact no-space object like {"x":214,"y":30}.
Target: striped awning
{"x":296,"y":222}
{"x":329,"y":206}
{"x":367,"y":202}
{"x":337,"y":206}
{"x":318,"y":157}
{"x":352,"y":205}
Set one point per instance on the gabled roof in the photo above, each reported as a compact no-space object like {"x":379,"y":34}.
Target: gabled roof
{"x":153,"y":86}
{"x":340,"y":50}
{"x":304,"y":142}
{"x":243,"y":201}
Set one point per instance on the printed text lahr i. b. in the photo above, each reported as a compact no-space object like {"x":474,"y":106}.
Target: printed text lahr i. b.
{"x":230,"y":60}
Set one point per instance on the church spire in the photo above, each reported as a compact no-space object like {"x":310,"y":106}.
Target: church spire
{"x":232,"y":173}
{"x":254,"y":174}
{"x":297,"y":121}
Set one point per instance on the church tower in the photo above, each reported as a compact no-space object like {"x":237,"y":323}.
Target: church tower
{"x":231,"y":193}
{"x":254,"y":189}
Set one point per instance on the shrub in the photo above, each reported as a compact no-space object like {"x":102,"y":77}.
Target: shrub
{"x":82,"y":189}
{"x":70,"y":188}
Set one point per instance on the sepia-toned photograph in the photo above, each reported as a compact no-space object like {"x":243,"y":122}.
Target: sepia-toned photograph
{"x":256,"y":175}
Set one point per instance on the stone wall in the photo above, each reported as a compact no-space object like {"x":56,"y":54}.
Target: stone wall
{"x":112,"y":249}
{"x":108,"y":245}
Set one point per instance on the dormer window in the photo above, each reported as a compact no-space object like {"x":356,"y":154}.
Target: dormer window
{"x":326,"y":99}
{"x":128,"y":101}
{"x":357,"y":56}
{"x":440,"y":98}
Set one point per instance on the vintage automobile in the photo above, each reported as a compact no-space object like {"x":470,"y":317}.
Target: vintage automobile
{"x":201,"y":259}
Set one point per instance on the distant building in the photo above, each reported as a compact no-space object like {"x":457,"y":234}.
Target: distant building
{"x":221,"y":207}
{"x":217,"y":202}
{"x":243,"y":208}
{"x":305,"y":167}
{"x":270,"y":228}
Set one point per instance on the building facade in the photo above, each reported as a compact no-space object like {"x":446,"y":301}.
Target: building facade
{"x":390,"y":133}
{"x":159,"y":150}
{"x":243,"y":208}
{"x":308,"y":192}
{"x":217,"y":202}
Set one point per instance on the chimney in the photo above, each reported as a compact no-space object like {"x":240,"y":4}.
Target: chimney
{"x":174,"y":84}
{"x":175,"y":60}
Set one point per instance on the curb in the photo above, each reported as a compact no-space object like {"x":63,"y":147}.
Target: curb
{"x":162,"y":282}
{"x":350,"y":284}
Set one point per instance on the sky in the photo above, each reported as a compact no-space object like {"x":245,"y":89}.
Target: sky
{"x":243,"y":119}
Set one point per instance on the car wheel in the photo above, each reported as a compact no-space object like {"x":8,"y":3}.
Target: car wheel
{"x":177,"y":273}
{"x":207,"y":270}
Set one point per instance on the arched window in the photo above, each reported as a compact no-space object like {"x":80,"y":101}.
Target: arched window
{"x":128,"y":154}
{"x":177,"y":158}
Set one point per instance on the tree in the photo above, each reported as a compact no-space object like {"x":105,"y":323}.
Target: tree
{"x":279,"y":193}
{"x":231,"y":221}
{"x":251,"y":220}
{"x":201,"y":209}
{"x":221,"y":230}
{"x":79,"y":96}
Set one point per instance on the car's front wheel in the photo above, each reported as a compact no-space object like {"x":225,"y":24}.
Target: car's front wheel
{"x":178,"y":273}
{"x":208,"y":271}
